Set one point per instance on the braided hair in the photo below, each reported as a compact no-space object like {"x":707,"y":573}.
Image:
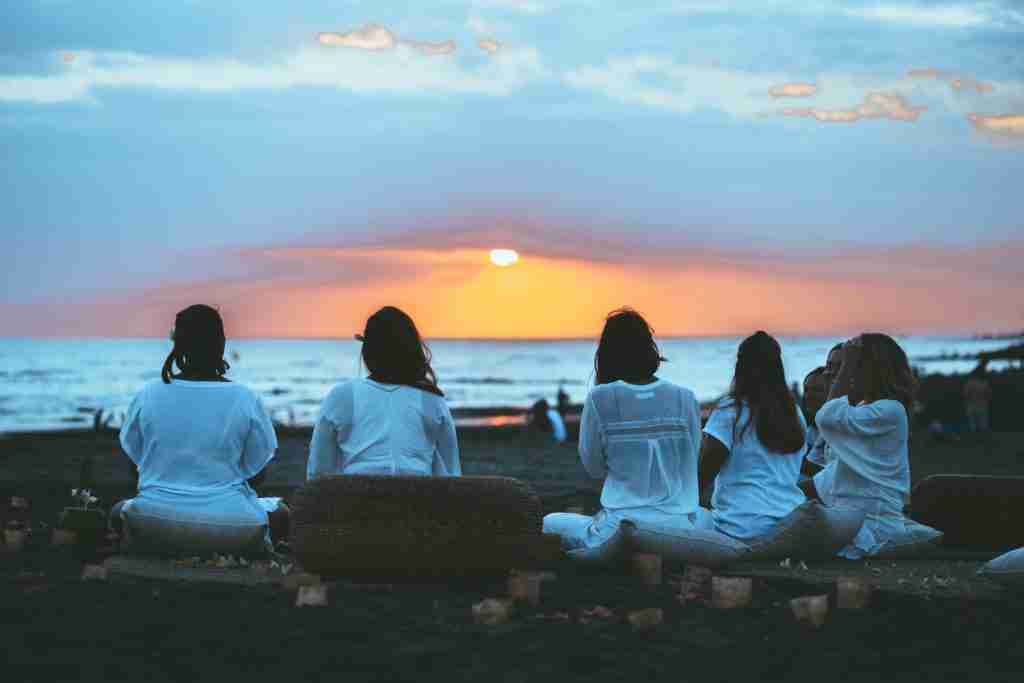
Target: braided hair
{"x":198,"y":344}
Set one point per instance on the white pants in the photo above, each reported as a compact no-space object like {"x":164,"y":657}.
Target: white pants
{"x":599,"y":539}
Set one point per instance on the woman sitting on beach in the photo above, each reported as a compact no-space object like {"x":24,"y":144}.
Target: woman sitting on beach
{"x":866,"y":424}
{"x":638,"y":433}
{"x":816,"y":389}
{"x":396,"y":421}
{"x":196,"y":438}
{"x":753,"y":445}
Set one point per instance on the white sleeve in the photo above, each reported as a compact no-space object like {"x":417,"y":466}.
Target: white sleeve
{"x":261,"y":441}
{"x":325,"y":457}
{"x":695,"y":433}
{"x":446,"y":449}
{"x":592,"y":450}
{"x":131,"y":430}
{"x":721,"y":424}
{"x":873,"y":419}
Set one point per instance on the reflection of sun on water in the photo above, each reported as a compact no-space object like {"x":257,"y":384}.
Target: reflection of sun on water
{"x":504,"y":257}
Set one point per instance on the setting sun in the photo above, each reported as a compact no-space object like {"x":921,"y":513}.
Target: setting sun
{"x":504,"y":257}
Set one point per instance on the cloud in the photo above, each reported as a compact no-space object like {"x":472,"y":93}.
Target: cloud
{"x":1001,"y":126}
{"x":399,"y":70}
{"x":370,"y":37}
{"x":793,"y":90}
{"x":876,"y":106}
{"x":427,"y":48}
{"x":522,"y":6}
{"x":957,"y":83}
{"x":949,"y":16}
{"x":489,"y":45}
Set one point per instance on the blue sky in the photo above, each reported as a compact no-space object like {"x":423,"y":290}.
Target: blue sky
{"x":145,"y":145}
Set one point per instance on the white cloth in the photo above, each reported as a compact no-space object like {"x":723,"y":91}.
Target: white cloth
{"x":366,"y":427}
{"x":643,"y":441}
{"x":870,"y":468}
{"x":557,"y":426}
{"x":195,"y":444}
{"x":817,"y":448}
{"x":755,"y":487}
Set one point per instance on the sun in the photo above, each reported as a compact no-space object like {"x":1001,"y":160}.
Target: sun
{"x":504,"y":258}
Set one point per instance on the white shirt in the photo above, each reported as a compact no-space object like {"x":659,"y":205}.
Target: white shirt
{"x":755,"y":487}
{"x":643,"y":440}
{"x":366,"y":427}
{"x":870,"y":468}
{"x":557,"y":425}
{"x":195,"y":444}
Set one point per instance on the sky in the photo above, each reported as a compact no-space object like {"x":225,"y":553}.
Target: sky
{"x":802,"y":167}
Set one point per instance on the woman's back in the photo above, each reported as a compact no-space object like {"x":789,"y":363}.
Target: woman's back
{"x":756,"y":487}
{"x":197,"y":435}
{"x":368,"y":427}
{"x":644,"y":439}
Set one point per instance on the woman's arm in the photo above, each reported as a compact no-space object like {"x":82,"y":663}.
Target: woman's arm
{"x":592,"y":453}
{"x":324,"y":454}
{"x":843,"y":384}
{"x":713,"y":455}
{"x":807,"y":486}
{"x":446,"y":455}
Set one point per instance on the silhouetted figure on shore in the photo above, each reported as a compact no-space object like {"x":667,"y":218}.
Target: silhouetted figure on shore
{"x":977,"y":401}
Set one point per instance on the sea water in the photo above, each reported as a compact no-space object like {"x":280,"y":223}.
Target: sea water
{"x":48,"y":384}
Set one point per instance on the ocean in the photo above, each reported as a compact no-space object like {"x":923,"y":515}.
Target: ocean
{"x":48,"y":384}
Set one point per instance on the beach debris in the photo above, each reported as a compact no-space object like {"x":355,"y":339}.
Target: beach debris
{"x":644,"y":619}
{"x":810,"y":610}
{"x":802,"y":566}
{"x":786,"y":564}
{"x":852,"y":592}
{"x":598,"y":612}
{"x":492,"y":611}
{"x":299,"y":579}
{"x":554,"y":616}
{"x":372,"y":587}
{"x":647,"y":568}
{"x":84,"y":497}
{"x":18,"y":503}
{"x":63,"y":537}
{"x":311,"y":596}
{"x":94,"y":572}
{"x":731,"y":593}
{"x":524,"y":587}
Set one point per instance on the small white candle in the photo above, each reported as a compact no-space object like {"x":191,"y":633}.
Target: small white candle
{"x":491,"y":612}
{"x":311,"y":596}
{"x":810,"y":610}
{"x":852,"y":592}
{"x":644,"y":619}
{"x":525,"y":587}
{"x":730,"y":593}
{"x":647,"y":568}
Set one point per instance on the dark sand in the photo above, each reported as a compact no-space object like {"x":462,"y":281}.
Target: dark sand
{"x":953,"y":626}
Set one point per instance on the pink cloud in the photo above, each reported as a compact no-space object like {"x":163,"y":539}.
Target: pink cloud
{"x":489,"y":45}
{"x":956,"y":82}
{"x":432,"y":49}
{"x":793,"y":90}
{"x":1000,"y":125}
{"x":875,"y":106}
{"x":370,"y":37}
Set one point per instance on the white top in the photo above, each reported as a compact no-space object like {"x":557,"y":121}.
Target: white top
{"x":755,"y":487}
{"x":196,"y":443}
{"x":366,"y":427}
{"x":643,"y":440}
{"x":817,"y":449}
{"x":870,"y":468}
{"x":557,"y":425}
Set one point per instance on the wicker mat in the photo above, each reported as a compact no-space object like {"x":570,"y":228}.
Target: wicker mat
{"x":133,"y":566}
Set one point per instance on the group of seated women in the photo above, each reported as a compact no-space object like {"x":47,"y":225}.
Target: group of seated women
{"x":197,"y":439}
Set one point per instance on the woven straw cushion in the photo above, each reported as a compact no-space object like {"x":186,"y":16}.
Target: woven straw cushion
{"x":414,"y":524}
{"x":972,"y":511}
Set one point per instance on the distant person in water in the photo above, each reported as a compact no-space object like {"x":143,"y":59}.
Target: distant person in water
{"x":638,"y":434}
{"x":196,"y":437}
{"x":815,"y":392}
{"x":563,"y":401}
{"x":396,"y":421}
{"x":866,"y":422}
{"x":543,"y":418}
{"x":754,"y":444}
{"x":977,"y":401}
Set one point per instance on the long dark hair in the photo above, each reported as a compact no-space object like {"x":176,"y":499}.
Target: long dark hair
{"x":394,"y":352}
{"x":198,"y":344}
{"x":627,"y":349}
{"x":884,"y":371}
{"x":759,"y":383}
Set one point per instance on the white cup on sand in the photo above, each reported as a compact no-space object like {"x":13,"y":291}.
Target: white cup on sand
{"x":311,"y":596}
{"x":810,"y":610}
{"x":524,"y":587}
{"x":731,"y":593}
{"x":492,"y":611}
{"x":14,"y":539}
{"x":647,"y":568}
{"x":852,"y":592}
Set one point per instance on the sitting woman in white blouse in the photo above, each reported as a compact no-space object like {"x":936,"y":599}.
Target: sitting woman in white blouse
{"x":395,"y":421}
{"x":866,"y":424}
{"x":754,"y":445}
{"x":640,"y":435}
{"x":197,"y":438}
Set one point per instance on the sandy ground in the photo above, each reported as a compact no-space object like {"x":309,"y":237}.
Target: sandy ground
{"x":928,"y":619}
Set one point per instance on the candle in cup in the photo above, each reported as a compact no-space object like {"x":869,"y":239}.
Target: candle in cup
{"x":525,"y":587}
{"x":810,"y":610}
{"x":852,"y":592}
{"x":730,"y":593}
{"x":647,"y":568}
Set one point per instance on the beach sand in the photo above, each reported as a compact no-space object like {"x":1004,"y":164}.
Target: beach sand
{"x":951,"y":626}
